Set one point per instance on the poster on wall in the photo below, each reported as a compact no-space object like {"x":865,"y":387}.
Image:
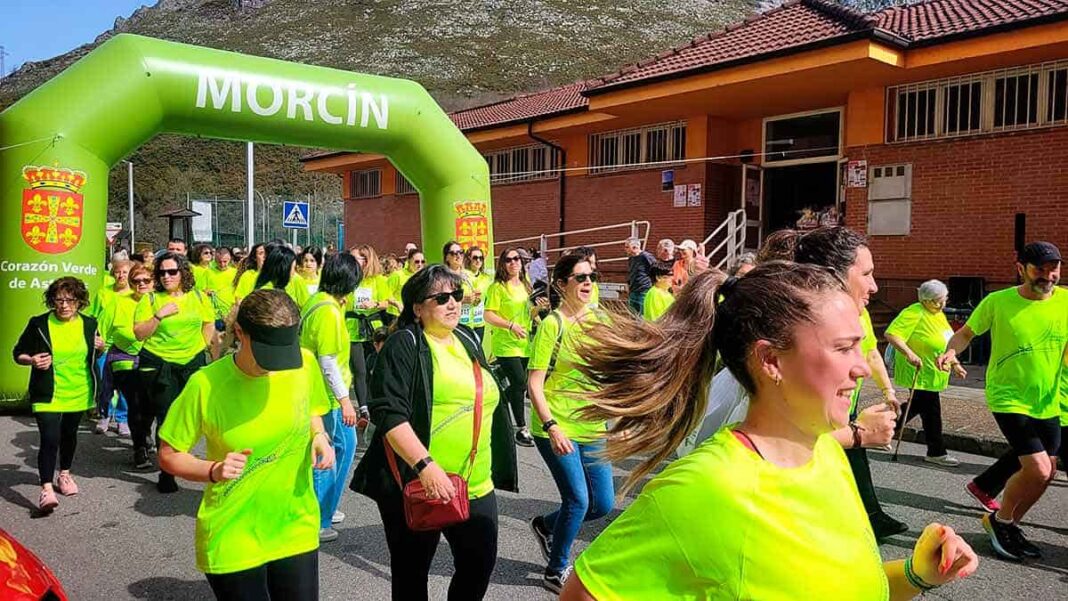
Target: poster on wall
{"x":680,"y":196}
{"x":857,"y":174}
{"x":694,"y":195}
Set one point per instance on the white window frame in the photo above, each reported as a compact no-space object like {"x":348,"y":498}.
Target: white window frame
{"x":988,"y":79}
{"x":675,"y":156}
{"x":375,"y":189}
{"x":551,"y":170}
{"x":830,"y":158}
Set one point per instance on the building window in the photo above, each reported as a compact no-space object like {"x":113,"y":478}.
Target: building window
{"x":637,"y":148}
{"x":803,"y":138}
{"x":367,"y":184}
{"x":404,"y":186}
{"x":522,"y":163}
{"x":1006,"y":99}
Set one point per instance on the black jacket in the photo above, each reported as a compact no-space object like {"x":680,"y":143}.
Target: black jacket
{"x":402,"y":389}
{"x":36,"y":339}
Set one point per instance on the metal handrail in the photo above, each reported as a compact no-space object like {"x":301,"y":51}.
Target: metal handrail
{"x":543,"y":239}
{"x":735,"y":224}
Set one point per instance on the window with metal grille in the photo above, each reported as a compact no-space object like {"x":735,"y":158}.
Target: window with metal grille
{"x":522,"y":163}
{"x":367,"y":184}
{"x":1005,"y":99}
{"x":403,"y":185}
{"x":637,"y":148}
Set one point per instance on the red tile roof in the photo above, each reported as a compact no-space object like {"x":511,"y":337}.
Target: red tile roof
{"x":936,"y":19}
{"x":523,"y":107}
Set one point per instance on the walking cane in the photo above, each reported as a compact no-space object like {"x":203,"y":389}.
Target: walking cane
{"x":904,"y":422}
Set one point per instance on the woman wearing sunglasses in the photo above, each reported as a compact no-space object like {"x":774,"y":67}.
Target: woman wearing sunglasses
{"x":423,"y":406}
{"x":61,"y":347}
{"x":176,"y":323}
{"x":201,"y":259}
{"x":476,"y":284}
{"x":569,"y":444}
{"x":414,"y":261}
{"x":510,"y":314}
{"x":122,"y":356}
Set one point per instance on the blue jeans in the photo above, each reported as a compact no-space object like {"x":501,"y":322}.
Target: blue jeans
{"x":586,"y":493}
{"x":106,"y":392}
{"x":636,"y":301}
{"x":330,"y":483}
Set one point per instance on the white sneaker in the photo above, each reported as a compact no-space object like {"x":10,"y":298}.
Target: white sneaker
{"x":943,"y":460}
{"x":102,"y":425}
{"x":337,"y":518}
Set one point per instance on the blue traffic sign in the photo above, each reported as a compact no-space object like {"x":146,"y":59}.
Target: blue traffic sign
{"x":295,"y":214}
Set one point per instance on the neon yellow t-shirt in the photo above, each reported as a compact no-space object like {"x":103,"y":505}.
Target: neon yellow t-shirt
{"x":565,"y":379}
{"x":222,"y":285}
{"x":373,"y":289}
{"x":453,"y":420}
{"x":926,"y":334}
{"x":473,"y":315}
{"x":121,"y":332}
{"x":1026,"y":352}
{"x":595,"y":296}
{"x":201,"y":277}
{"x":657,"y":302}
{"x":73,"y":382}
{"x":270,"y":511}
{"x":295,"y":289}
{"x":867,"y":344}
{"x":246,"y":284}
{"x":311,"y":282}
{"x":723,"y":524}
{"x":104,"y":310}
{"x":178,"y":338}
{"x":396,"y":282}
{"x":323,"y":333}
{"x":510,"y":302}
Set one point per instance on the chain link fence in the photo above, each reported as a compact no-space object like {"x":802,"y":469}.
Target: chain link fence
{"x":229,"y":219}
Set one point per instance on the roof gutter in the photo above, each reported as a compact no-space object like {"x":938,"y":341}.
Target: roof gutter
{"x":562,"y":193}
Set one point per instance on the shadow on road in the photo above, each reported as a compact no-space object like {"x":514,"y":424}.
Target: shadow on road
{"x":169,"y":589}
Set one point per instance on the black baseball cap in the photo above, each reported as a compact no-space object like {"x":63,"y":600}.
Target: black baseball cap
{"x":1039,"y":253}
{"x":275,"y":349}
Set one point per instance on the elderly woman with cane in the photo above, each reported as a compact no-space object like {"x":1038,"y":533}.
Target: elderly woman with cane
{"x":919,"y":335}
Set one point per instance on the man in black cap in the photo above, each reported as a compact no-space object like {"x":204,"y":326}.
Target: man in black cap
{"x":1028,"y":327}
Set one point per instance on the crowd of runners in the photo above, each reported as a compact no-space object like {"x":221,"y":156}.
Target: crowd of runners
{"x":736,"y":392}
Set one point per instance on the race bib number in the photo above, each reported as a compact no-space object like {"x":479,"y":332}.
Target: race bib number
{"x":363,"y":295}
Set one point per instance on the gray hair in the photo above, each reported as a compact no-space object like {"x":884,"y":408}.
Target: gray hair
{"x":932,"y":290}
{"x":666,"y":242}
{"x":746,"y":258}
{"x":634,"y":242}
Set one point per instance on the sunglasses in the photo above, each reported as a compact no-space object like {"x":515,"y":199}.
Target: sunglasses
{"x":419,"y":262}
{"x":442,"y":298}
{"x":455,"y":253}
{"x":582,"y":278}
{"x":169,"y":272}
{"x":476,"y":257}
{"x":141,"y":281}
{"x":72,"y":301}
{"x":512,"y":259}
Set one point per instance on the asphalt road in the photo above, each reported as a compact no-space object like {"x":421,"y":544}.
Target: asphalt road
{"x":119,"y":539}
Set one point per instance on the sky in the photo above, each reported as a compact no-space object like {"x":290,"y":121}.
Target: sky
{"x":32,"y":30}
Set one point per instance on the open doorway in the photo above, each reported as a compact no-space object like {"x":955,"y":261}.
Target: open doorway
{"x":800,"y":196}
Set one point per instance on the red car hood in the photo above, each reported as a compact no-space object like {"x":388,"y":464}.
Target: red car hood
{"x":24,"y":577}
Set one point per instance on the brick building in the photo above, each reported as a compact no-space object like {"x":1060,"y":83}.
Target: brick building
{"x":935,"y":128}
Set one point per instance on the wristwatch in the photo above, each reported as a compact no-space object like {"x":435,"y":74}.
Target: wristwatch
{"x":546,"y":426}
{"x":422,"y":463}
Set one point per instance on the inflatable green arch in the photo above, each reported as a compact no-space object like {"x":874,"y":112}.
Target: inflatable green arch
{"x":58,"y":144}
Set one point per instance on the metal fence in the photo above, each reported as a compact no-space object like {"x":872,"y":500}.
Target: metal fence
{"x":229,"y":220}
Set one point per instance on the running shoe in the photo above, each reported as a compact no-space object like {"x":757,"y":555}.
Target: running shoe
{"x":1026,"y":547}
{"x":523,"y":438}
{"x":542,"y":534}
{"x":141,"y":459}
{"x":102,"y":425}
{"x":337,"y":518}
{"x":885,"y":526}
{"x":943,"y":460}
{"x":166,"y":484}
{"x":48,"y":501}
{"x":124,"y":429}
{"x":1003,"y":537}
{"x":364,"y":419}
{"x":66,"y":485}
{"x":555,"y":581}
{"x":986,"y":501}
{"x":328,"y":535}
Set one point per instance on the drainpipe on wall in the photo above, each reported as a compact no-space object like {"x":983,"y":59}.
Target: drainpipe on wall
{"x":563,"y":174}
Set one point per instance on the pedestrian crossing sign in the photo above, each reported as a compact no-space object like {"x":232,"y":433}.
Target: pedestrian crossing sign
{"x":295,"y":214}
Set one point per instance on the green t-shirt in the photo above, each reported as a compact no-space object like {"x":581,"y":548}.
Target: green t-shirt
{"x":270,"y":511}
{"x":453,"y":420}
{"x":121,"y":332}
{"x":373,"y":289}
{"x":1027,"y":349}
{"x":926,"y":334}
{"x":178,"y":338}
{"x":103,"y":309}
{"x":73,"y":382}
{"x":323,"y":333}
{"x":296,"y":289}
{"x":473,"y":315}
{"x":867,"y":344}
{"x":246,"y":284}
{"x":565,"y":380}
{"x":222,"y":284}
{"x":657,"y":301}
{"x":311,"y":283}
{"x":201,"y":277}
{"x":723,"y":524}
{"x":396,"y":282}
{"x":510,"y":302}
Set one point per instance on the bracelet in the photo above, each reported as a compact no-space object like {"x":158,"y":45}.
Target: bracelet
{"x":914,"y":579}
{"x":211,"y":472}
{"x":546,"y":426}
{"x":422,"y":464}
{"x":856,"y":434}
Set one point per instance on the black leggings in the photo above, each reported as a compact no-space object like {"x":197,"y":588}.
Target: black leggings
{"x":59,"y":434}
{"x":358,"y":359}
{"x":129,"y":384}
{"x":294,"y":578}
{"x":929,"y":405}
{"x":473,"y":544}
{"x":515,"y":369}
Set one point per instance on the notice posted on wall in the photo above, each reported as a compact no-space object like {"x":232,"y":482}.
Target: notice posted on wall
{"x":680,"y":196}
{"x":694,"y":195}
{"x":857,"y":174}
